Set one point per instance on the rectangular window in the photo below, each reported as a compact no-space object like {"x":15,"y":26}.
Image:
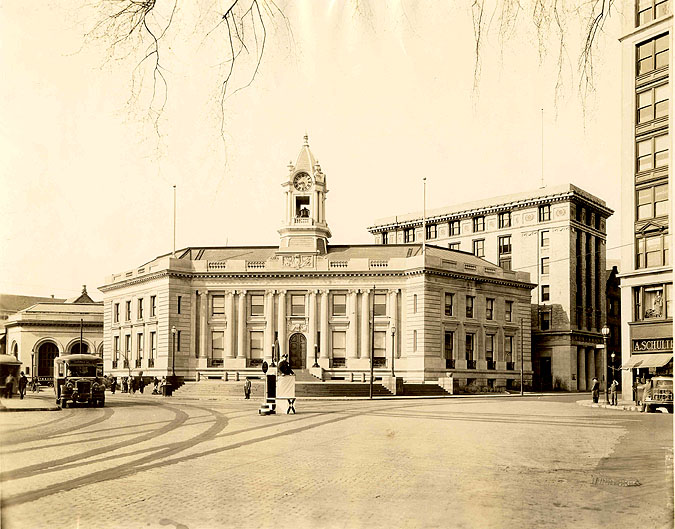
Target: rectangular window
{"x":544,"y":265}
{"x":545,"y":320}
{"x":449,"y":302}
{"x":505,"y":263}
{"x":652,"y":153}
{"x":178,"y":341}
{"x":409,"y":235}
{"x":414,"y":340}
{"x":489,"y":347}
{"x":385,"y":238}
{"x":544,"y":213}
{"x":505,"y":245}
{"x":650,"y":302}
{"x":153,"y":306}
{"x":414,"y":303}
{"x":489,"y":309}
{"x":380,"y":345}
{"x":128,"y":311}
{"x":116,"y":348}
{"x":297,"y":305}
{"x":453,"y":246}
{"x":652,"y":104}
{"x":508,"y":310}
{"x":217,"y":344}
{"x":505,"y":219}
{"x":448,"y":345}
{"x":256,"y":338}
{"x":652,"y":250}
{"x":153,"y":344}
{"x":479,"y":248}
{"x":179,"y":303}
{"x":545,"y":293}
{"x":116,"y":313}
{"x":652,"y":202}
{"x":478,"y":224}
{"x":545,"y":240}
{"x":339,"y":344}
{"x":454,"y":227}
{"x":257,"y":304}
{"x":470,"y":338}
{"x":669,"y":300}
{"x":139,"y":345}
{"x":469,"y":306}
{"x":508,"y":348}
{"x":648,"y":10}
{"x":339,"y":304}
{"x":380,"y":304}
{"x":140,"y":308}
{"x":127,"y":345}
{"x":432,"y":231}
{"x":652,"y":55}
{"x":217,"y":305}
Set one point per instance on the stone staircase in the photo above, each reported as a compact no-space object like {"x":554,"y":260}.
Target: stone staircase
{"x":422,"y":389}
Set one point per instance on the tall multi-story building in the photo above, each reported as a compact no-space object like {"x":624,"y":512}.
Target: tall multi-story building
{"x":646,"y":157}
{"x":220,"y":312}
{"x":555,"y":234}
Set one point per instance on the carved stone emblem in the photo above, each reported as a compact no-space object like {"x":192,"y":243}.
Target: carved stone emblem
{"x":298,"y":261}
{"x":296,"y":326}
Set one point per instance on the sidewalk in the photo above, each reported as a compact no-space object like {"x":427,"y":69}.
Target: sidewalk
{"x":43,"y":401}
{"x":623,"y":405}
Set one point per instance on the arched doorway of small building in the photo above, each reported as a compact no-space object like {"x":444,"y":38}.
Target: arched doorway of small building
{"x":45,"y":359}
{"x":297,"y":347}
{"x":78,"y":348}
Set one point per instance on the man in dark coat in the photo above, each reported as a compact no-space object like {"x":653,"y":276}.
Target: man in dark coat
{"x":23,"y":382}
{"x":285,"y":367}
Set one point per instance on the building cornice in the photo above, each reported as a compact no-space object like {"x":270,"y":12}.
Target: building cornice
{"x":54,"y":323}
{"x":497,"y":208}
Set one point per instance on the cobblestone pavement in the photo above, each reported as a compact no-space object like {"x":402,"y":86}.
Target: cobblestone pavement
{"x":148,"y":462}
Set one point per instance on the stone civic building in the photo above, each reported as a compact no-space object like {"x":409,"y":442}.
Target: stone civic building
{"x":219,"y":312}
{"x":646,"y":157}
{"x":39,"y":333}
{"x":557,"y":235}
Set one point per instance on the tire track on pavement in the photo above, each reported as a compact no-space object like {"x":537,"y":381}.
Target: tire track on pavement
{"x":52,"y":466}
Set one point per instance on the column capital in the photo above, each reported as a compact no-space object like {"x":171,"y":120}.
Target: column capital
{"x":394,"y":290}
{"x":365,"y":290}
{"x":241,"y":292}
{"x":353,"y":291}
{"x":324,"y":291}
{"x":282,"y":292}
{"x":269,"y":292}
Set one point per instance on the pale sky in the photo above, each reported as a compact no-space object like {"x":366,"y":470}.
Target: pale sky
{"x":386,"y":97}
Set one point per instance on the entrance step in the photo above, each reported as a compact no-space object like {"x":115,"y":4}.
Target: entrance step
{"x":213,"y":389}
{"x":303,"y":375}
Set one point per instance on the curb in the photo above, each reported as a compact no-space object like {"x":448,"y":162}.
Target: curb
{"x":619,"y":407}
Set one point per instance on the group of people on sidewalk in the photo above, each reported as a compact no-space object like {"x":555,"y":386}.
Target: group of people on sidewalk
{"x":136,"y":383}
{"x":10,"y":382}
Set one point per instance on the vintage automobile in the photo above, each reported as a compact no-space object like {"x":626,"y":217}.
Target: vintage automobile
{"x":77,"y":380}
{"x":660,"y":395}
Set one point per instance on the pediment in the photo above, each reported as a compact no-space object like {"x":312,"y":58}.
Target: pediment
{"x":651,"y":226}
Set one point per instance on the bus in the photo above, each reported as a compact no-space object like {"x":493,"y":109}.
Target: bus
{"x":78,"y":379}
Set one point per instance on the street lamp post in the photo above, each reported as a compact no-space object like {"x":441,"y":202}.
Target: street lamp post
{"x":612,"y":368}
{"x":173,"y":354}
{"x":605,"y":338}
{"x":393,"y":350}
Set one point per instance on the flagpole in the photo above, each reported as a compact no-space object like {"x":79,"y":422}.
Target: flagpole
{"x":174,"y":222}
{"x":424,"y":217}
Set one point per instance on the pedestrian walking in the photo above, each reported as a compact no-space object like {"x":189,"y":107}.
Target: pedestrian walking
{"x":595,"y":390}
{"x":9,"y":385}
{"x":247,"y":389}
{"x":613,"y":392}
{"x":155,"y":389}
{"x":125,"y":385}
{"x":113,"y":385}
{"x":133,"y":385}
{"x":35,"y":384}
{"x":23,"y":382}
{"x":141,"y":384}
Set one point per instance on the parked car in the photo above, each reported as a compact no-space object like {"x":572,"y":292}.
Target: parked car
{"x":77,"y":380}
{"x":660,"y":395}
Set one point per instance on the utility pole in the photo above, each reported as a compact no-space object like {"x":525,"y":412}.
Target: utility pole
{"x":174,"y":222}
{"x":372,"y":341}
{"x":522,"y":361}
{"x":424,"y":218}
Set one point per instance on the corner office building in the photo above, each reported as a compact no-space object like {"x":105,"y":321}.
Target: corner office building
{"x":431,"y":312}
{"x":646,"y":159}
{"x":555,"y":234}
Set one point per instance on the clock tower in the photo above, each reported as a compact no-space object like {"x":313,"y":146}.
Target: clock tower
{"x":304,"y":230}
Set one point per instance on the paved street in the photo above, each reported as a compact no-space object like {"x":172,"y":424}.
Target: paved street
{"x":149,"y":462}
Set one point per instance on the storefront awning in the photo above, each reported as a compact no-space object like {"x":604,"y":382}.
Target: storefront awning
{"x":648,"y":360}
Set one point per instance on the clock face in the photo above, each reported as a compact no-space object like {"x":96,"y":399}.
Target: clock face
{"x":302,"y":181}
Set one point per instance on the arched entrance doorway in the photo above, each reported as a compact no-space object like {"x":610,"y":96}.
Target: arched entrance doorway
{"x":76,"y":349}
{"x":45,"y":360}
{"x":297,"y":347}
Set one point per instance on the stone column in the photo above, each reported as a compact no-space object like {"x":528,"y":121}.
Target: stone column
{"x":281,"y":324}
{"x":229,"y":317}
{"x":312,"y":328}
{"x":241,"y":325}
{"x":590,"y":363}
{"x":203,"y":322}
{"x":323,"y":352}
{"x":393,"y":323}
{"x":365,"y":323}
{"x":269,"y":325}
{"x":352,"y":343}
{"x":581,"y":369}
